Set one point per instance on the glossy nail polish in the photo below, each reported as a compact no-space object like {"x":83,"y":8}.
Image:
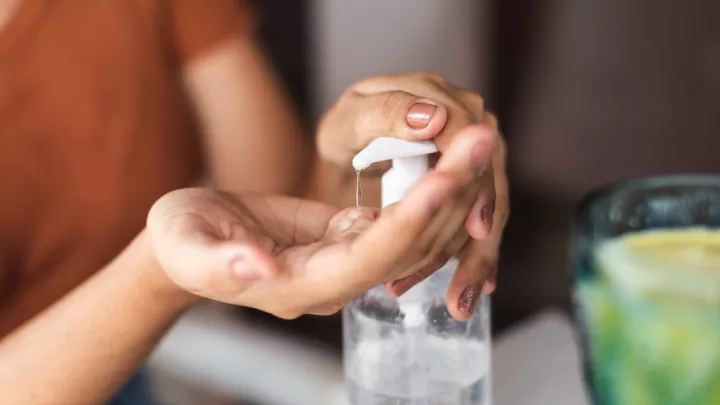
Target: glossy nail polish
{"x":420,"y":114}
{"x":403,"y":285}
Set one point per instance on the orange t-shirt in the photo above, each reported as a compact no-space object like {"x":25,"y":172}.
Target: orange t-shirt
{"x":94,"y":127}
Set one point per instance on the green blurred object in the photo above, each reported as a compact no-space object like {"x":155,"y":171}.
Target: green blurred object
{"x":647,"y":291}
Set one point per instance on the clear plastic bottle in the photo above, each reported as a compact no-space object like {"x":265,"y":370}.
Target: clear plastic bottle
{"x":409,"y":350}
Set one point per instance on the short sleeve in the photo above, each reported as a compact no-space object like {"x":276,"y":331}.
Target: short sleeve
{"x":199,"y":25}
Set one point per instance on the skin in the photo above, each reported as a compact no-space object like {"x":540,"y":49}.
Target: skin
{"x":383,"y":106}
{"x":248,"y":125}
{"x":237,"y":98}
{"x":103,"y":329}
{"x":199,"y":243}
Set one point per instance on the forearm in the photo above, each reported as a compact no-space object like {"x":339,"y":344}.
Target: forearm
{"x":273,"y":156}
{"x":82,"y":349}
{"x":254,"y":136}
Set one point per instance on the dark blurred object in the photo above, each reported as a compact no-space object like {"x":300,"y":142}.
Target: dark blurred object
{"x":593,"y":92}
{"x":283,"y":29}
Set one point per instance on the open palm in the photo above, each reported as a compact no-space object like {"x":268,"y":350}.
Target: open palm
{"x":289,"y":256}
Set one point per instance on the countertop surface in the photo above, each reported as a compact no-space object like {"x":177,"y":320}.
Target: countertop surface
{"x":538,"y":363}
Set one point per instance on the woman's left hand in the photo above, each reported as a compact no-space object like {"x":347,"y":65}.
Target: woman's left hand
{"x":417,"y":107}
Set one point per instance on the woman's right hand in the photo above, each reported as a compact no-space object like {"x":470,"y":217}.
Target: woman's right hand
{"x":289,"y":257}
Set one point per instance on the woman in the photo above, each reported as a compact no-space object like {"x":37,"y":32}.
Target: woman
{"x":282,"y":255}
{"x":106,"y":106}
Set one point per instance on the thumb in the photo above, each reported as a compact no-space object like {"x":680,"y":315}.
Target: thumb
{"x":400,"y":115}
{"x":197,"y":260}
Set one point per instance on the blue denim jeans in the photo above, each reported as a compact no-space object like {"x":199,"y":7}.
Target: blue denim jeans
{"x":136,"y":392}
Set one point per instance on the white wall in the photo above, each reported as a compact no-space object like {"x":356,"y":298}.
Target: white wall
{"x":354,"y":39}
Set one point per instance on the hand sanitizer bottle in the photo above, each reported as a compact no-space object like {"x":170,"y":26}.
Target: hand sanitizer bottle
{"x":409,"y":350}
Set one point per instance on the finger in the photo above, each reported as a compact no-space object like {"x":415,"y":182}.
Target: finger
{"x":468,"y":109}
{"x":309,"y":219}
{"x":475,"y":144}
{"x":379,"y":251}
{"x":477,"y":271}
{"x":401,"y":286}
{"x":473,"y":101}
{"x":477,"y":261}
{"x":423,"y":85}
{"x":462,"y":107}
{"x":406,"y":230}
{"x":444,"y":236}
{"x":481,"y":218}
{"x":479,"y":141}
{"x":400,"y":115}
{"x":479,"y":221}
{"x":490,"y":281}
{"x":201,"y":261}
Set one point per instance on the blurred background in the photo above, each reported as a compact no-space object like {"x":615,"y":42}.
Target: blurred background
{"x":586,"y":93}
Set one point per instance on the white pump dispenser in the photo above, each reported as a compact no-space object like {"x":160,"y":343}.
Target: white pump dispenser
{"x":409,"y":165}
{"x":409,"y":350}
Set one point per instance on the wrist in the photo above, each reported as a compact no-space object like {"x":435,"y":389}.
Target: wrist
{"x":150,"y":276}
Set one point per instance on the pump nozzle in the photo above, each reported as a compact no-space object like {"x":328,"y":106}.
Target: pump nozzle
{"x":409,"y":159}
{"x":391,"y":148}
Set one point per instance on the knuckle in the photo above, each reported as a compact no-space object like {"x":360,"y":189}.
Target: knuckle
{"x":476,"y":101}
{"x":388,"y":107}
{"x":490,"y":119}
{"x":391,"y":102}
{"x":433,"y":260}
{"x":463,"y":116}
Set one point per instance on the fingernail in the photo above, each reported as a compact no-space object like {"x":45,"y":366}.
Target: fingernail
{"x":486,"y":214}
{"x":480,"y":158}
{"x":245,"y":268}
{"x":403,"y":285}
{"x":468,"y":298}
{"x":420,"y":114}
